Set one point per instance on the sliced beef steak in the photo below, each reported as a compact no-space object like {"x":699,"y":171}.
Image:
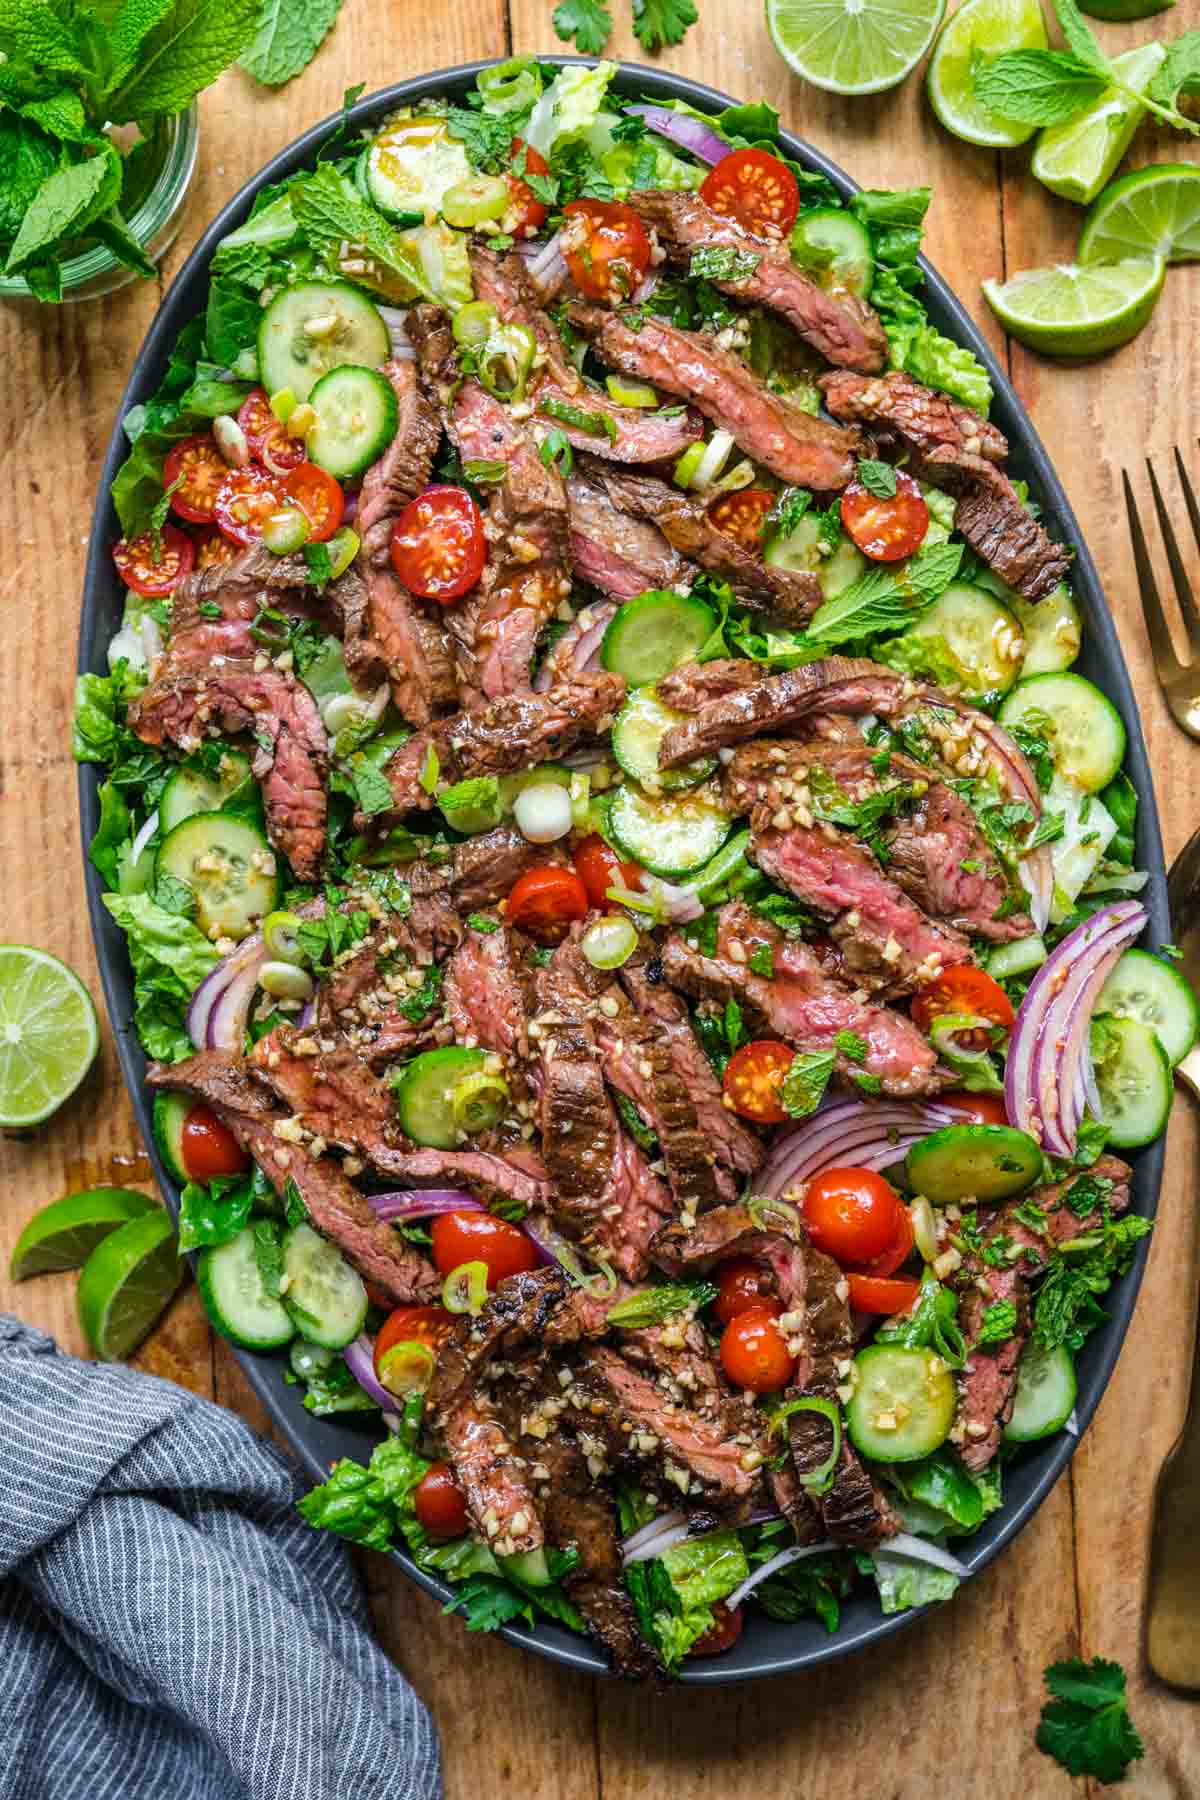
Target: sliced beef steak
{"x":693,"y":685}
{"x":489,"y":997}
{"x":413,"y":647}
{"x":898,"y":409}
{"x":942,"y":860}
{"x":996,"y":523}
{"x":733,"y":708}
{"x":484,"y":868}
{"x":405,"y":466}
{"x":615,"y":552}
{"x":577,"y":651}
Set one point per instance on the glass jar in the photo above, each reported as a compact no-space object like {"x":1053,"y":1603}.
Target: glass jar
{"x":155,"y":219}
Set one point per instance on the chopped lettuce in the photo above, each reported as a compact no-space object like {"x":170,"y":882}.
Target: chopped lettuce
{"x":170,"y":959}
{"x":698,"y":1572}
{"x":569,"y":107}
{"x":940,"y":1497}
{"x":942,"y":509}
{"x":902,"y":1582}
{"x":99,"y":717}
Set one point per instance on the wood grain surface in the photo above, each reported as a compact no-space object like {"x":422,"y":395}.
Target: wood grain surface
{"x":949,"y":1707}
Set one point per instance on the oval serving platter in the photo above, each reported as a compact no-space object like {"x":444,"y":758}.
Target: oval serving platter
{"x":766,"y":1646}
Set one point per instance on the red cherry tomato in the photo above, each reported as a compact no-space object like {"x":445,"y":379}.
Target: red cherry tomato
{"x":213,"y":547}
{"x":606,"y":247}
{"x":428,"y":1325}
{"x":754,"y":1353}
{"x":207,"y":1147}
{"x":462,"y":1237}
{"x":753,"y":1077}
{"x":245,"y":501}
{"x":525,"y":211}
{"x":852,"y":1215}
{"x":200,"y":469}
{"x":544,"y":902}
{"x":742,"y":1284}
{"x":150,"y":574}
{"x":963,"y":990}
{"x":438,"y":546}
{"x":438,"y":1503}
{"x":741,"y":516}
{"x":319,"y":498}
{"x":269,"y":440}
{"x":980,"y":1109}
{"x":900,"y":1248}
{"x":725,"y":1632}
{"x":886,"y":529}
{"x":599,"y":868}
{"x":868,"y":1293}
{"x":756,"y":189}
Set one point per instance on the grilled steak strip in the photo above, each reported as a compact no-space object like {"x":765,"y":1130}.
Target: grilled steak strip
{"x":792,"y":444}
{"x":405,"y":466}
{"x":904,"y":414}
{"x":998,"y":526}
{"x":488,"y":994}
{"x":693,"y":685}
{"x":615,"y":552}
{"x":845,"y":330}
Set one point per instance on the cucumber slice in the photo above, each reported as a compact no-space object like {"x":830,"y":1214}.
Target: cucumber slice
{"x":835,"y":249}
{"x":640,"y":727}
{"x":903,"y":1403}
{"x":424,"y":1093}
{"x":529,"y":1567}
{"x":357,"y":416}
{"x":170,"y":1110}
{"x":1052,"y":629}
{"x":801,"y":552}
{"x":235,"y":1298}
{"x":230,"y":868}
{"x":323,"y":1295}
{"x":980,"y":637}
{"x":1086,"y":733}
{"x":1145,"y":988}
{"x":1021,"y":958}
{"x":1045,"y":1394}
{"x":409,"y":166}
{"x":314,"y":327}
{"x":188,"y":792}
{"x":655,"y":632}
{"x":670,"y":835}
{"x":973,"y":1162}
{"x":1088,"y":829}
{"x":1135,"y":1083}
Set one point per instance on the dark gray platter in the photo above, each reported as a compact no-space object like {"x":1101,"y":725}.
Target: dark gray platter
{"x":766,"y":1647}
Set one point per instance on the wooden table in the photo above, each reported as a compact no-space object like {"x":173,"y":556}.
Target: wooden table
{"x":950,"y":1706}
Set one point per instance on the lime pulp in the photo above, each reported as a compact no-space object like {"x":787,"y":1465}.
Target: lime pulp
{"x":1153,"y":212}
{"x":986,"y":27}
{"x":64,"y":1234}
{"x":48,"y":1034}
{"x":853,"y":46}
{"x":1077,"y":158}
{"x":1078,"y":311}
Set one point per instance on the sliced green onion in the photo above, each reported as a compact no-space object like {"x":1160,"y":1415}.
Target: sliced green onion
{"x":594,"y":423}
{"x":281,"y":935}
{"x":285,"y":530}
{"x":689,"y":462}
{"x":610,"y":942}
{"x":285,"y":981}
{"x":630,"y":393}
{"x":341,"y":711}
{"x":740,"y":476}
{"x":406,"y":1369}
{"x":470,"y":203}
{"x":343,"y":547}
{"x":283,"y":404}
{"x":768,"y":1214}
{"x":819,"y":1480}
{"x":270,"y":629}
{"x":465,"y":1288}
{"x":713,"y":459}
{"x":603,"y":1282}
{"x":230,"y":440}
{"x":479,"y":1101}
{"x":581,"y":798}
{"x":728,"y":859}
{"x":924,"y":1228}
{"x":474,"y":324}
{"x":505,"y":360}
{"x":650,"y":904}
{"x":510,"y":84}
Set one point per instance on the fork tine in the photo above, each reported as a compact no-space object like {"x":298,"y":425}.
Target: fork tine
{"x":1183,"y":589}
{"x":1167,"y":664}
{"x":1189,"y":497}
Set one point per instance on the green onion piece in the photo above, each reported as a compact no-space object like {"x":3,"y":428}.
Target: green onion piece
{"x":610,"y":942}
{"x":479,"y":1101}
{"x":474,"y":324}
{"x":772,"y":1215}
{"x":465,"y":1288}
{"x":283,"y":404}
{"x":728,"y":859}
{"x":270,"y":629}
{"x":581,"y":798}
{"x":470,"y":203}
{"x":406,"y":1369}
{"x":603,"y":1282}
{"x":595,"y":424}
{"x":510,"y":84}
{"x":430,"y":770}
{"x":630,"y":393}
{"x":286,"y":981}
{"x":924,"y":1227}
{"x":285,"y":530}
{"x":343,"y":547}
{"x":689,"y":462}
{"x":505,"y":360}
{"x":281,"y":934}
{"x":650,"y":905}
{"x":819,"y":1480}
{"x":485,"y":470}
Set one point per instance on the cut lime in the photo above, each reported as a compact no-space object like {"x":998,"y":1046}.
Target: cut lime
{"x":1076,"y":159}
{"x":1073,"y":311}
{"x":48,"y":1034}
{"x":988,"y":27}
{"x":1154,"y":212}
{"x":853,"y":46}
{"x":126,"y":1282}
{"x":64,"y":1234}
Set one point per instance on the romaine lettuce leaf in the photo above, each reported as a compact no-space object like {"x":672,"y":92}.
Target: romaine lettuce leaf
{"x":569,"y":106}
{"x":170,"y":959}
{"x":903,"y":1583}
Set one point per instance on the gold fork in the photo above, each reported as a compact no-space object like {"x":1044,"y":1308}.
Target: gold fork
{"x":1180,"y":682}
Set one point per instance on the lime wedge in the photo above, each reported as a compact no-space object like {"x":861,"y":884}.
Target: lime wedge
{"x":1154,"y":212}
{"x":64,"y":1234}
{"x":853,"y":46}
{"x":1076,"y":159}
{"x":48,"y":1034}
{"x":1073,"y":311}
{"x":989,"y":27}
{"x":126,"y":1282}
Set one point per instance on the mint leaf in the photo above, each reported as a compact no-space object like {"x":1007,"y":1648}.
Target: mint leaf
{"x":1087,"y":1727}
{"x":713,"y":263}
{"x":189,"y":47}
{"x":28,"y":161}
{"x":62,"y":115}
{"x":46,"y":36}
{"x":653,"y":1305}
{"x":1180,"y":74}
{"x":134,"y":22}
{"x":1037,"y":87}
{"x":330,"y":211}
{"x":852,"y":1047}
{"x":372,"y":790}
{"x":659,"y":22}
{"x":879,"y":478}
{"x":65,"y":203}
{"x":589,"y":22}
{"x":803,"y":1087}
{"x":288,"y":37}
{"x":318,"y":563}
{"x":268,"y":1255}
{"x":1080,"y":40}
{"x":999,"y":1323}
{"x":885,"y":599}
{"x":117,"y":238}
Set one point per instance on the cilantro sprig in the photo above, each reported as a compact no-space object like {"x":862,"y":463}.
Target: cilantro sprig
{"x":656,"y":23}
{"x":1086,"y":1726}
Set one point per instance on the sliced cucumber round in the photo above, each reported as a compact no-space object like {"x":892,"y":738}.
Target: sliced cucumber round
{"x":653,"y":633}
{"x":640,"y":727}
{"x":357,"y":416}
{"x":1052,"y":629}
{"x":1020,"y":958}
{"x":314,"y":327}
{"x":230,"y":868}
{"x":973,"y":1162}
{"x":170,"y":1111}
{"x":409,"y":166}
{"x":839,"y":250}
{"x":1084,"y":728}
{"x":902,"y":1405}
{"x":1134,"y":1081}
{"x":980,"y":637}
{"x":235,"y":1297}
{"x":1146,"y":988}
{"x":1045,"y":1395}
{"x":425,"y":1090}
{"x":672,"y":834}
{"x":324,"y":1296}
{"x":801,"y":552}
{"x":189,"y":792}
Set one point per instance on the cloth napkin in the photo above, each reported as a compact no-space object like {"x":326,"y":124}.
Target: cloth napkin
{"x":170,"y":1629}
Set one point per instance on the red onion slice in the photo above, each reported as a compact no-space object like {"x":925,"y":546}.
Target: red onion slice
{"x":360,"y":1360}
{"x":396,"y":321}
{"x":849,"y":1132}
{"x":921,"y":1550}
{"x":143,"y":838}
{"x":548,"y":269}
{"x":684,"y":129}
{"x":220,"y":1006}
{"x":794,"y":1554}
{"x":422,"y":1203}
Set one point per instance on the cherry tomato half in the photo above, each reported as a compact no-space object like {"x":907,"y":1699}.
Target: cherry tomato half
{"x":980,"y":1109}
{"x":212,"y":546}
{"x":886,"y":529}
{"x":462,"y":1237}
{"x":754,"y":1353}
{"x":606,"y":247}
{"x":740,"y":516}
{"x":200,"y":469}
{"x":269,"y":440}
{"x":852,"y":1215}
{"x":963,"y":990}
{"x":724,"y":1634}
{"x":742,"y":1284}
{"x":319,"y":498}
{"x":151,"y":575}
{"x":438,"y":546}
{"x":869,"y":1293}
{"x":544,"y":902}
{"x":755,"y":188}
{"x":207,"y":1147}
{"x":753,"y":1078}
{"x":525,"y":209}
{"x":245,"y":501}
{"x":428,"y":1325}
{"x":599,"y":868}
{"x":900,"y":1248}
{"x":438,"y":1503}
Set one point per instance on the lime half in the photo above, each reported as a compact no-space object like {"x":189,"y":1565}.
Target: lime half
{"x":853,"y":46}
{"x":1154,"y":212}
{"x":48,"y":1034}
{"x":1074,"y":311}
{"x":126,"y":1282}
{"x":64,"y":1234}
{"x":989,"y":27}
{"x":1076,"y":159}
